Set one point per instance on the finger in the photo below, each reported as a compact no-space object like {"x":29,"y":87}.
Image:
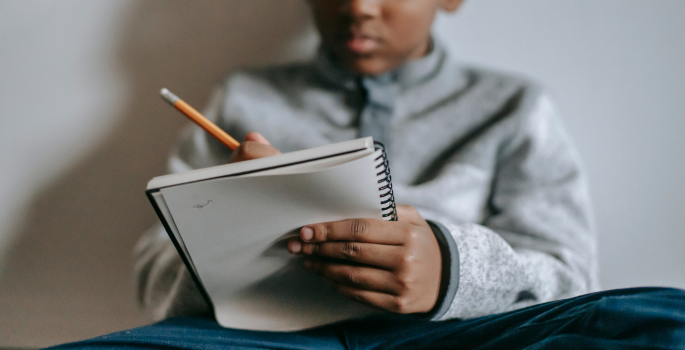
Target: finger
{"x":356,"y":230}
{"x":256,"y":137}
{"x":378,"y":255}
{"x":361,"y":277}
{"x":372,"y":298}
{"x":294,"y":245}
{"x":252,"y":150}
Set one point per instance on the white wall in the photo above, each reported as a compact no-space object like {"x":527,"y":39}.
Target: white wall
{"x":82,"y":129}
{"x":59,"y":90}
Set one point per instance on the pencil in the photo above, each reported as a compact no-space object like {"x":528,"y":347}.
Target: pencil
{"x":200,"y":120}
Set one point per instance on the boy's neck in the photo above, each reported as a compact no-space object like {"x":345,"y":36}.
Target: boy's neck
{"x":424,"y":50}
{"x":407,"y":74}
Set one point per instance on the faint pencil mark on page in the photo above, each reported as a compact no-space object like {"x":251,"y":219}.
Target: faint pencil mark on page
{"x":200,"y":206}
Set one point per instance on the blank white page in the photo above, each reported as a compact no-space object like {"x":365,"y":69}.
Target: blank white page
{"x":235,"y":229}
{"x":286,"y":159}
{"x":161,"y":204}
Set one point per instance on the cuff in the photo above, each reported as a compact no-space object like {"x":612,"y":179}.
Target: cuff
{"x":449,"y":283}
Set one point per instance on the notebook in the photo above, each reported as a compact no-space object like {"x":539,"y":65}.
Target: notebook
{"x":230,"y":225}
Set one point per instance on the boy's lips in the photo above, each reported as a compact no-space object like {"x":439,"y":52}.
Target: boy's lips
{"x":361,"y":44}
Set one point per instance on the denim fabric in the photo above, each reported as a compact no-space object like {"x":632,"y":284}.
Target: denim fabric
{"x":640,"y":318}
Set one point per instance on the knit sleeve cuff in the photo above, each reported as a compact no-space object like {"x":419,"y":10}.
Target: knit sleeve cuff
{"x":449,"y":283}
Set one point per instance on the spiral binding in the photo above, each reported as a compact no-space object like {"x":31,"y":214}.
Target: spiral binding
{"x":388,"y":207}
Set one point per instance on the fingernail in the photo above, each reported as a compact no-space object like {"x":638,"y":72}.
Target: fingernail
{"x":295,"y":247}
{"x":307,"y":234}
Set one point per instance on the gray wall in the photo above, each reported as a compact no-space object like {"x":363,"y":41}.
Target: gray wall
{"x":616,"y":68}
{"x":82,"y":129}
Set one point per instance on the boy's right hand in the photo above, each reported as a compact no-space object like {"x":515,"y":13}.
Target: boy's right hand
{"x":254,"y":146}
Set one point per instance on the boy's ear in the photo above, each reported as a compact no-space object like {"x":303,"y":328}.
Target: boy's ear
{"x":450,"y":5}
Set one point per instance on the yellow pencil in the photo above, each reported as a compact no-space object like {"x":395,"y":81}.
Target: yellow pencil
{"x":200,"y":120}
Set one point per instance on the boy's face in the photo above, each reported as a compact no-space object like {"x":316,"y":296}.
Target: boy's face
{"x":371,"y":37}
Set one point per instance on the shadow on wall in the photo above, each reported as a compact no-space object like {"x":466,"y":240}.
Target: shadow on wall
{"x":68,"y":275}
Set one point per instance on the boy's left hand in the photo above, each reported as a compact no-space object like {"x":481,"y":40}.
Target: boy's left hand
{"x":392,"y":265}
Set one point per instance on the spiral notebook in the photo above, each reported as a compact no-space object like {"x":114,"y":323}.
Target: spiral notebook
{"x":230,"y":224}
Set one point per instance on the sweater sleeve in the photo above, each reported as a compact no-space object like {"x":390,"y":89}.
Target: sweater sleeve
{"x":165,"y":287}
{"x":538,"y":243}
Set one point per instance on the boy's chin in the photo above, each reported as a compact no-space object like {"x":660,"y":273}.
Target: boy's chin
{"x":369,"y":66}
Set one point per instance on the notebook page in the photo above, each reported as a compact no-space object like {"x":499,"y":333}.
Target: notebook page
{"x":314,"y":165}
{"x":260,"y":164}
{"x":236,"y":229}
{"x":161,"y":204}
{"x":304,"y":168}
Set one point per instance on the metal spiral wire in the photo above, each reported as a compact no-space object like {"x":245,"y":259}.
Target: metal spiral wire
{"x":388,"y":207}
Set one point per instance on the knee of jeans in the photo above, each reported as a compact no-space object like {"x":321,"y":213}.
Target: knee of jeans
{"x":644,"y":306}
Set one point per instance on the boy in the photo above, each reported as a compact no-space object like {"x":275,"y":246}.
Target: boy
{"x":496,"y":218}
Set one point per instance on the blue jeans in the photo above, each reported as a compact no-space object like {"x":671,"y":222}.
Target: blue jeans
{"x":640,"y":318}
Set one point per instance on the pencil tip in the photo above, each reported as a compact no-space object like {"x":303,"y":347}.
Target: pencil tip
{"x":168,"y":96}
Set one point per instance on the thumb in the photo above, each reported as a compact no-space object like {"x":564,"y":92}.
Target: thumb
{"x":257,"y":137}
{"x":409,"y":214}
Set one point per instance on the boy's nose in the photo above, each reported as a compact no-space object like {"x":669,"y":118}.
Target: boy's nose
{"x":364,"y":8}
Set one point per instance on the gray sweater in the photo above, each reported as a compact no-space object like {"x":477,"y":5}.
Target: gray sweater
{"x":480,"y":154}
